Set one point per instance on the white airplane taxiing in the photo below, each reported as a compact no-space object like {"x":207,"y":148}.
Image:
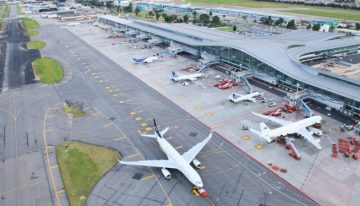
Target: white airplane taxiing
{"x":176,"y":160}
{"x":185,"y":77}
{"x":247,"y":97}
{"x":288,"y":127}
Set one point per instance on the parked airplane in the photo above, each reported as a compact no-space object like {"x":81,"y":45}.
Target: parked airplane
{"x":185,"y":77}
{"x":248,"y":97}
{"x":175,"y":160}
{"x":145,"y":60}
{"x":288,"y":127}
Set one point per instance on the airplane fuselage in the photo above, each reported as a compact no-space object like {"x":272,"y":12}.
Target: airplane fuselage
{"x":292,"y":128}
{"x":190,"y":77}
{"x":182,"y":165}
{"x":247,"y":97}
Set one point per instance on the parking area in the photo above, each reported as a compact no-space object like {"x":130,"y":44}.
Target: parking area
{"x":317,"y":173}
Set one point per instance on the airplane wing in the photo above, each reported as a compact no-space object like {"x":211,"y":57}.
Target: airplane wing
{"x":308,"y":136}
{"x":273,"y":119}
{"x":152,"y":163}
{"x":164,"y":131}
{"x":191,"y":153}
{"x":252,"y":99}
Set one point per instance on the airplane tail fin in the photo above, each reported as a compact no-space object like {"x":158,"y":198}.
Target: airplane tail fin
{"x":157,"y":132}
{"x":261,"y":133}
{"x":173,"y":74}
{"x":263,"y":127}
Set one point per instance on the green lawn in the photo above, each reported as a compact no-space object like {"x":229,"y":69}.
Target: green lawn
{"x":30,"y":24}
{"x":47,"y":70}
{"x":4,"y":11}
{"x":35,"y":45}
{"x":18,"y":9}
{"x":225,"y":28}
{"x":346,"y":14}
{"x":74,"y":111}
{"x":81,"y":166}
{"x":243,"y":3}
{"x":32,"y":33}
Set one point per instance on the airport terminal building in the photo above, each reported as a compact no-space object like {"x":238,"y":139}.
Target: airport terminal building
{"x":277,"y":60}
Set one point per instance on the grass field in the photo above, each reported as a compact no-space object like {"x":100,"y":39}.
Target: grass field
{"x":47,"y":70}
{"x":243,"y":3}
{"x":347,"y":14}
{"x":32,"y":33}
{"x":30,"y":24}
{"x":81,"y":166}
{"x":4,"y":11}
{"x":331,"y":13}
{"x":35,"y":45}
{"x":18,"y":9}
{"x":225,"y":28}
{"x":74,"y":111}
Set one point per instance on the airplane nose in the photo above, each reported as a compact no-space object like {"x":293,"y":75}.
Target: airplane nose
{"x":199,"y":184}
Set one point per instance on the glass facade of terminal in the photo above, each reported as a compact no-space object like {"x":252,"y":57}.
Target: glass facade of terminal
{"x":245,"y":61}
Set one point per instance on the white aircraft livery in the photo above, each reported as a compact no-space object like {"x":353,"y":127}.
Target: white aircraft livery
{"x":176,"y":160}
{"x":248,"y":97}
{"x":144,"y":60}
{"x":182,"y":77}
{"x":288,"y":127}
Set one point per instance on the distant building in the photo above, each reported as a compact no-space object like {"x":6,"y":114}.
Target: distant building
{"x":250,"y":14}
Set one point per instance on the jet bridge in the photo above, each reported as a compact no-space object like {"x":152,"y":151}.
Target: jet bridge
{"x":154,"y":41}
{"x":242,"y":77}
{"x":207,"y":60}
{"x":130,"y":33}
{"x":143,"y":36}
{"x":357,"y":128}
{"x":176,"y":48}
{"x":117,"y":30}
{"x":298,"y":98}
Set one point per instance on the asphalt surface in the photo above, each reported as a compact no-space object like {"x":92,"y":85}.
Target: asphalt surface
{"x":18,"y":69}
{"x":117,"y":105}
{"x":230,"y":176}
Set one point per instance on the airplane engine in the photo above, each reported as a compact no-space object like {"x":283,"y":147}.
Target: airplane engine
{"x":197,"y":163}
{"x":166,"y":173}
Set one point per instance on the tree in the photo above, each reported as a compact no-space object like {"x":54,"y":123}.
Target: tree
{"x":173,"y":17}
{"x":269,"y":20}
{"x":204,"y":18}
{"x":331,"y":28}
{"x":151,"y":14}
{"x":215,"y":21}
{"x":316,"y":27}
{"x":194,"y":13}
{"x":137,"y":10}
{"x":308,"y":26}
{"x":291,"y":24}
{"x":244,"y":18}
{"x":186,"y":18}
{"x":279,"y":22}
{"x":262,"y":20}
{"x":234,"y":28}
{"x":157,"y":16}
{"x":165,"y":17}
{"x":210,"y":13}
{"x":128,"y":8}
{"x":357,"y":26}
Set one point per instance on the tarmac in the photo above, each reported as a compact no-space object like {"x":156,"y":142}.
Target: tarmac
{"x":210,"y":106}
{"x":119,"y":106}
